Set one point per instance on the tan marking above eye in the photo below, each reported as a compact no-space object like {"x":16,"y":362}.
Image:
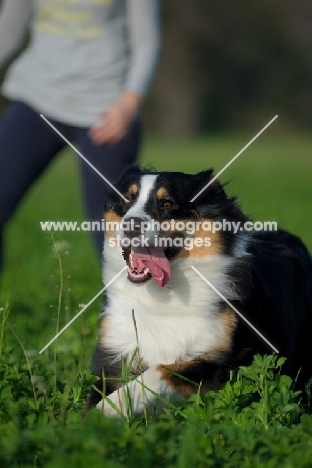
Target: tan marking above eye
{"x":133,"y":189}
{"x":216,"y":246}
{"x":162,"y":193}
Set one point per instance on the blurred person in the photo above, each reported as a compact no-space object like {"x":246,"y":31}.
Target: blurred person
{"x":87,"y":67}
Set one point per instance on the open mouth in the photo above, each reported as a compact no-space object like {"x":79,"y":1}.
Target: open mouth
{"x":145,"y":263}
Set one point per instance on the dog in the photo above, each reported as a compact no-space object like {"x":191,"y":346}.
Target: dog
{"x":174,"y":333}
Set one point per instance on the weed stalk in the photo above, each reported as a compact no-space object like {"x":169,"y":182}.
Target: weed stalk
{"x":5,"y":315}
{"x":59,"y":302}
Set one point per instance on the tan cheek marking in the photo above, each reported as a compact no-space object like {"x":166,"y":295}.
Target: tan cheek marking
{"x":133,"y":189}
{"x":162,"y":193}
{"x":111,"y":217}
{"x":211,"y":244}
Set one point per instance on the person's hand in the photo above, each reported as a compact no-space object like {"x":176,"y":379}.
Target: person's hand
{"x":115,"y":123}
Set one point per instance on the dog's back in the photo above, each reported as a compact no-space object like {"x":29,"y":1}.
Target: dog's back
{"x":280,"y":300}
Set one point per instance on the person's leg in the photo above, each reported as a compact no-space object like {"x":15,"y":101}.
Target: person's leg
{"x":27,"y":145}
{"x":110,"y":160}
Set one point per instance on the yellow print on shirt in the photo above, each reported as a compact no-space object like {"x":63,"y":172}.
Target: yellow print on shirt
{"x":93,"y":2}
{"x":59,"y":18}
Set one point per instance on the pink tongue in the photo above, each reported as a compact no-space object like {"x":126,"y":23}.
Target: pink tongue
{"x":155,"y":260}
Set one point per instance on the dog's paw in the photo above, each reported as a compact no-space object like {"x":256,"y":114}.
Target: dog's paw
{"x":138,"y":396}
{"x":113,"y":406}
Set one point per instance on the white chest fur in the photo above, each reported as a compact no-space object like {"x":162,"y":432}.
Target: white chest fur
{"x":177,"y":322}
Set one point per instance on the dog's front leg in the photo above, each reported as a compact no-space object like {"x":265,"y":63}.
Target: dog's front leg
{"x":160,"y":383}
{"x":147,"y":391}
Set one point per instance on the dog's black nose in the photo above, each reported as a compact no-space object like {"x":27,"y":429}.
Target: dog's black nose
{"x":133,"y":226}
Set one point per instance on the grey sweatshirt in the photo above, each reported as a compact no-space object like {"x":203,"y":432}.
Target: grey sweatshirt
{"x":82,"y":54}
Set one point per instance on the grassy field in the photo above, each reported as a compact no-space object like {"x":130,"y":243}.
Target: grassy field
{"x":255,"y":421}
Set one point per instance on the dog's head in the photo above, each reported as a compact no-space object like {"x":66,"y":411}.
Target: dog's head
{"x":156,"y":222}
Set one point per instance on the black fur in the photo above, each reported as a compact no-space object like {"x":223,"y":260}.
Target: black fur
{"x":273,"y":280}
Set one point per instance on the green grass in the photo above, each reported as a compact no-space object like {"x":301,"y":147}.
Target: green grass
{"x":47,"y":280}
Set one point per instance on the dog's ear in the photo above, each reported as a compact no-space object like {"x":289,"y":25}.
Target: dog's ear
{"x":213,"y":201}
{"x":132,"y":169}
{"x":201,"y":179}
{"x":110,"y":195}
{"x":212,"y":197}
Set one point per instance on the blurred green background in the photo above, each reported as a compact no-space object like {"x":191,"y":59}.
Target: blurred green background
{"x":226,"y":69}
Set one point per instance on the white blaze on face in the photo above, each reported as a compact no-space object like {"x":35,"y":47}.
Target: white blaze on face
{"x":146,"y":258}
{"x":138,"y":209}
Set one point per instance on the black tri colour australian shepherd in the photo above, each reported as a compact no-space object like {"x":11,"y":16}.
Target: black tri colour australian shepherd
{"x":186,"y":334}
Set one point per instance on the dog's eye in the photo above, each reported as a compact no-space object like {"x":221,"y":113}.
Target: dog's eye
{"x":126,"y":201}
{"x":167,"y":204}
